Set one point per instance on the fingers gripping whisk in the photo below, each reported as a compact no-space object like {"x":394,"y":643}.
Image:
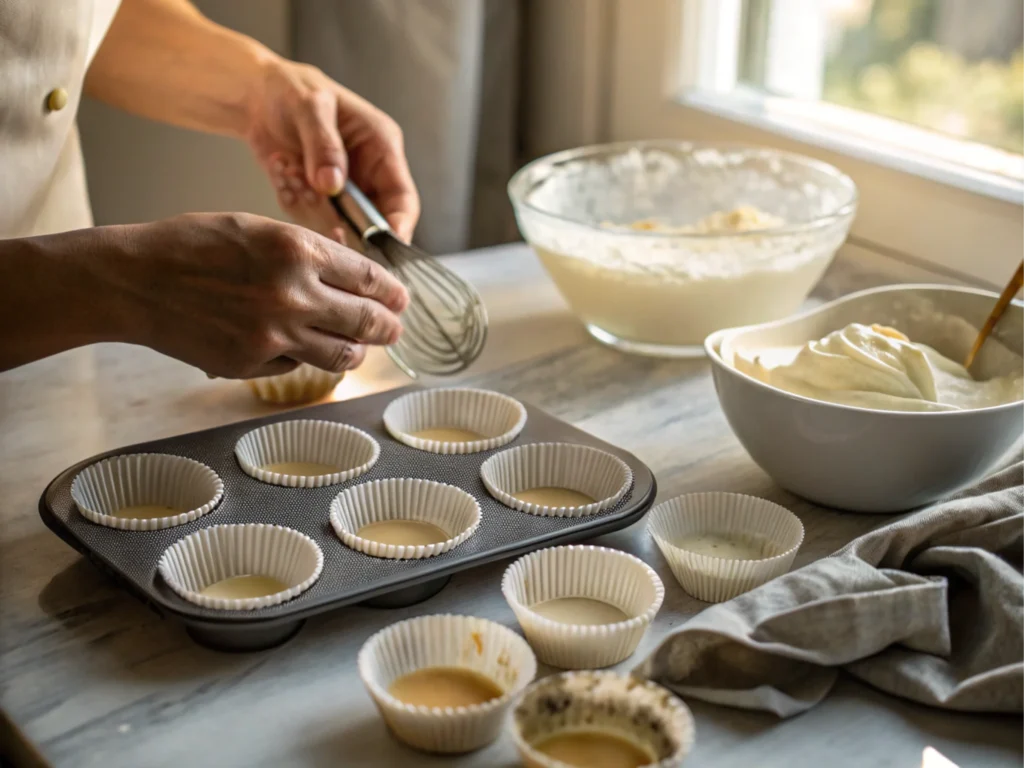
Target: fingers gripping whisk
{"x":446,"y":322}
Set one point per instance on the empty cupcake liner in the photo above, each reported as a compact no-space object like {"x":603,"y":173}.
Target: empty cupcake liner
{"x":303,"y":385}
{"x":598,"y":573}
{"x":102,"y":489}
{"x":446,"y":641}
{"x":497,"y":417}
{"x":581,"y":468}
{"x":223,"y":551}
{"x":449,"y":508}
{"x":634,"y":709}
{"x":319,"y":442}
{"x":715,"y":579}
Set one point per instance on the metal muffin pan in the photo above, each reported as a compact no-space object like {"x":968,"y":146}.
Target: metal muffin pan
{"x":348,"y":576}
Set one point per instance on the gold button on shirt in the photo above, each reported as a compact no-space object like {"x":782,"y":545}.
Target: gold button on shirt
{"x":45,"y":49}
{"x":57,"y":99}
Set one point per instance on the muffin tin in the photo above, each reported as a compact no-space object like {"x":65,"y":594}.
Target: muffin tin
{"x":348,"y":576}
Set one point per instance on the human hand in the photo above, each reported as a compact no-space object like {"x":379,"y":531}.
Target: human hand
{"x":242,"y":296}
{"x":300,"y":118}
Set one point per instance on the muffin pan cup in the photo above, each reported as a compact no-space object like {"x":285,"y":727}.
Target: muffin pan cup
{"x":497,"y":418}
{"x":102,"y":489}
{"x":221,"y":552}
{"x":449,"y":508}
{"x":348,"y":576}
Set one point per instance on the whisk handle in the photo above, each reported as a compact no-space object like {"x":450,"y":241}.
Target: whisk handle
{"x":357,"y":210}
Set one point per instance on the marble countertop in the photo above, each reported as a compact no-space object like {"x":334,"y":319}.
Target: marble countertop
{"x":91,"y":677}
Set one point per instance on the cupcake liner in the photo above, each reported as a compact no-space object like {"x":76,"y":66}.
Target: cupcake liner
{"x":320,"y":442}
{"x":446,"y":641}
{"x":102,"y":489}
{"x":715,"y":579}
{"x":497,"y":417}
{"x":302,"y":385}
{"x":222,"y":551}
{"x":449,"y":508}
{"x":598,"y":573}
{"x":634,"y":709}
{"x":593,"y":472}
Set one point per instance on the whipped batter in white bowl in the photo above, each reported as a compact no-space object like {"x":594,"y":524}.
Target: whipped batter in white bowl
{"x":873,"y":456}
{"x":656,"y":244}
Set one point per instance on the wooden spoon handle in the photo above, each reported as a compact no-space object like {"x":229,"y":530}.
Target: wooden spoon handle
{"x":997,"y":312}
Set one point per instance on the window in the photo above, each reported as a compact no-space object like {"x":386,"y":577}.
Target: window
{"x":954,"y":68}
{"x":920,"y":101}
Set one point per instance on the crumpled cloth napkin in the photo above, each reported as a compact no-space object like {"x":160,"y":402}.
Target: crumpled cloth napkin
{"x":930,"y":608}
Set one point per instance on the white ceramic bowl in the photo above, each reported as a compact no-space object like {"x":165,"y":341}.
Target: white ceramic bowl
{"x":613,"y":225}
{"x":871,"y":460}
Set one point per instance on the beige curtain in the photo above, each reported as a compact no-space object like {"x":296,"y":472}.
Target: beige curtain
{"x":448,"y":72}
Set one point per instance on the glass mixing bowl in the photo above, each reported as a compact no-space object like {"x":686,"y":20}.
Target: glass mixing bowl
{"x":657,"y":244}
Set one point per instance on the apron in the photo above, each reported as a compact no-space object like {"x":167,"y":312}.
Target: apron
{"x":45,"y":49}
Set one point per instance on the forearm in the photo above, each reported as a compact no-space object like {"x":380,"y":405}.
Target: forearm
{"x":164,"y":60}
{"x":53,"y":296}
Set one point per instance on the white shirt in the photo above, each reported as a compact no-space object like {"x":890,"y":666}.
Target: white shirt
{"x":45,"y":49}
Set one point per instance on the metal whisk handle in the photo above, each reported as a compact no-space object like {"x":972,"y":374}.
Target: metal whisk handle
{"x":357,"y":210}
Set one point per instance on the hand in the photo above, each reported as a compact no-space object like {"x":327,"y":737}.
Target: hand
{"x":241,"y":296}
{"x":300,"y":118}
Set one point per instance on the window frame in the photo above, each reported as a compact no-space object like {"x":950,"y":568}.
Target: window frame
{"x":938,"y":216}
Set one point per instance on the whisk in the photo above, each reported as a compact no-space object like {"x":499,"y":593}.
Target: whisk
{"x":446,"y":322}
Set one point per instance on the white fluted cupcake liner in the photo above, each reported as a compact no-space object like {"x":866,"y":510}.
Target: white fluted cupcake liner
{"x":497,"y":417}
{"x":449,"y":508}
{"x":638,"y":710}
{"x":598,"y":573}
{"x":715,"y":579}
{"x":221,"y":552}
{"x":319,"y":442}
{"x":303,"y":385}
{"x":102,"y":489}
{"x":446,"y":641}
{"x":580,"y":468}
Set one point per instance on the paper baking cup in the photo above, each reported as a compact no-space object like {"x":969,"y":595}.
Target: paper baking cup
{"x":446,"y":641}
{"x":715,"y":579}
{"x":449,"y":508}
{"x":223,"y":551}
{"x":598,"y":573}
{"x":637,"y":710}
{"x":497,"y":417}
{"x":580,"y":468}
{"x":103,"y":488}
{"x":302,"y":385}
{"x":320,"y":442}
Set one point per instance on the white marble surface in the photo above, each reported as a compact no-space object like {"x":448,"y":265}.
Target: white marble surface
{"x":92,"y":678}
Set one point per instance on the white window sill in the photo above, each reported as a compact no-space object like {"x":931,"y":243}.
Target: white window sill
{"x":971,"y":167}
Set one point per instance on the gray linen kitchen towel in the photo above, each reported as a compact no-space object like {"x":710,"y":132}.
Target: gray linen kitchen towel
{"x":929,"y":608}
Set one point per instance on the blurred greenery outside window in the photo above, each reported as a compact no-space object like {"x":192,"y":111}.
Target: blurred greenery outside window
{"x":952,"y":66}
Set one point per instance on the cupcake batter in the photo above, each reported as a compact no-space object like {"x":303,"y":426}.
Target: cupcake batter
{"x":146,"y":511}
{"x":579,"y":610}
{"x":554,"y":497}
{"x":242,"y":587}
{"x":410,"y":533}
{"x":728,"y":547}
{"x":681,"y":283}
{"x":448,"y":435}
{"x":301,"y":468}
{"x":444,"y":687}
{"x":595,"y":749}
{"x":878,"y":367}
